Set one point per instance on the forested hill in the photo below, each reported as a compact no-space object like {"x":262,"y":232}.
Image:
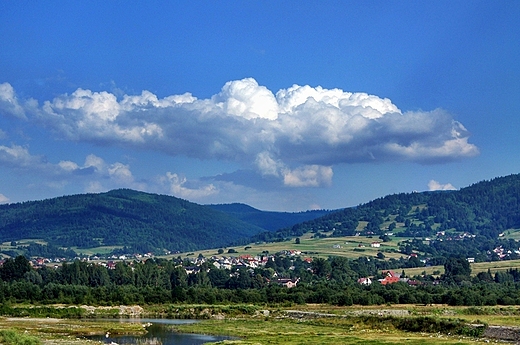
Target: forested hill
{"x":487,"y":209}
{"x":142,"y":221}
{"x":268,"y":220}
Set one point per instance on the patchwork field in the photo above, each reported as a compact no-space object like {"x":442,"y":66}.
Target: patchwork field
{"x":348,"y":246}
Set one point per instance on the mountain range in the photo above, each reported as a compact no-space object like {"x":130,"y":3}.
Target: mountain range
{"x":149,"y":222}
{"x":141,"y":221}
{"x":481,"y":213}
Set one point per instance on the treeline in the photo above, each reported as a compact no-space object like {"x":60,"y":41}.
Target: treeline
{"x":332,"y":281}
{"x":480,"y":248}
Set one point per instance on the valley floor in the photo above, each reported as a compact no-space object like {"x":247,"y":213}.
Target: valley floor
{"x":307,"y":324}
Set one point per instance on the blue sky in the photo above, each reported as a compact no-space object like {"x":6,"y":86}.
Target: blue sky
{"x":281,"y":105}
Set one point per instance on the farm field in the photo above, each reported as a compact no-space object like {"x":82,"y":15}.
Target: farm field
{"x":347,"y":246}
{"x":513,"y":234}
{"x":25,"y":242}
{"x":493,"y":266}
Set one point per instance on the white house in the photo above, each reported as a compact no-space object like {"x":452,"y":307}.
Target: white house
{"x":365,"y":281}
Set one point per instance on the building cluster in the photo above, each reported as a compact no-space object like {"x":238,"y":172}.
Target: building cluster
{"x":108,"y":261}
{"x":389,"y":277}
{"x":246,"y":261}
{"x":503,"y":253}
{"x":441,"y":236}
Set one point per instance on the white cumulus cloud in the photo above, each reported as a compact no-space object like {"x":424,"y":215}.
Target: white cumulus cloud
{"x":68,"y":165}
{"x":245,"y":98}
{"x":434,"y":186}
{"x":3,"y":199}
{"x":18,"y":157}
{"x":9,"y":102}
{"x":308,"y":176}
{"x":179,"y":187}
{"x":113,"y":175}
{"x":288,"y":133}
{"x":94,"y":187}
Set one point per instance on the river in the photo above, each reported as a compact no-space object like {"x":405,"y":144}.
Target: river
{"x":160,"y":332}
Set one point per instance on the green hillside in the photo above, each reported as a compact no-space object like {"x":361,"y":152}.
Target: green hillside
{"x":142,"y":221}
{"x":268,"y":220}
{"x":469,"y":222}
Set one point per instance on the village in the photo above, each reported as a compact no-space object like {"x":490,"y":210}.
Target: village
{"x":193,"y":265}
{"x":233,"y":261}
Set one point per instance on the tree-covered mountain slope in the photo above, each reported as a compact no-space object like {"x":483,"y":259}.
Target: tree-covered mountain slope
{"x":266,"y":219}
{"x":122,"y":217}
{"x":487,"y":209}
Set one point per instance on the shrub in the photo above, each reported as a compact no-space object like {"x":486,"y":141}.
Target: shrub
{"x":11,"y":337}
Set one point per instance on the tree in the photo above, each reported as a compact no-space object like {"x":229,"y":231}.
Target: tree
{"x":457,"y":268}
{"x":297,"y":240}
{"x":122,"y":274}
{"x":14,"y":269}
{"x":321,"y":267}
{"x":178,"y":277}
{"x":218,"y":277}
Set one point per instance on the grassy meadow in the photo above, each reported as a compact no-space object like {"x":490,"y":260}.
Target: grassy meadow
{"x":356,"y":325}
{"x":493,"y":266}
{"x":320,"y":331}
{"x":347,"y":246}
{"x":513,"y":234}
{"x":7,"y":246}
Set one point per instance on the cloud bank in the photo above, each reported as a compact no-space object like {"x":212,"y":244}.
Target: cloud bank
{"x":296,"y":134}
{"x":95,"y":170}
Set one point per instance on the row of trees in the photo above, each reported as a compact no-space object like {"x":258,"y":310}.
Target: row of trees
{"x":332,"y":280}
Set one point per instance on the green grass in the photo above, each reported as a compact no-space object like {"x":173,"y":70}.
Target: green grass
{"x":513,"y":234}
{"x":96,"y":250}
{"x":22,"y":243}
{"x":6,"y":246}
{"x":493,"y":266}
{"x":317,"y":247}
{"x":316,"y":331}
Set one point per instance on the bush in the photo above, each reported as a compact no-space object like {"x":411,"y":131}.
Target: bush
{"x":11,"y":337}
